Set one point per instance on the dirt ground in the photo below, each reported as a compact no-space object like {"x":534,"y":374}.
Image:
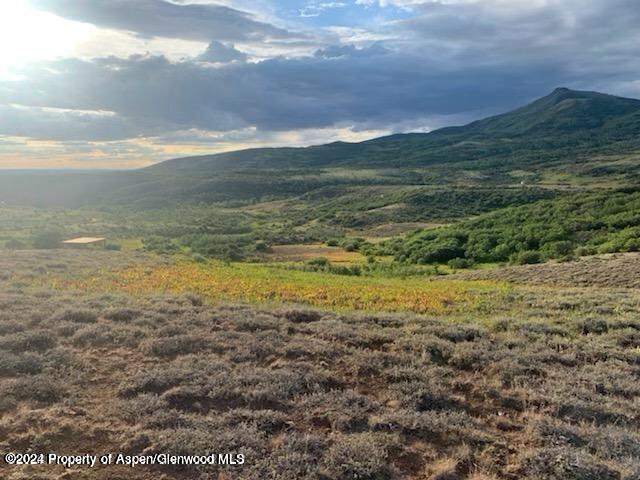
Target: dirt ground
{"x":301,"y":253}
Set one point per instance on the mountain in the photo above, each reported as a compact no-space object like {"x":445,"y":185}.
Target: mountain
{"x":563,"y":124}
{"x":586,"y":137}
{"x":562,"y":111}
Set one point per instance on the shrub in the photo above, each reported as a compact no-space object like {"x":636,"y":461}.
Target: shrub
{"x":100,"y":335}
{"x":155,"y":381}
{"x":78,"y":316}
{"x":345,"y":411}
{"x":93,"y":335}
{"x":302,"y":316}
{"x":566,"y":464}
{"x":318,"y":262}
{"x":459,"y":334}
{"x":585,"y":251}
{"x":12,"y":365}
{"x":297,"y":456}
{"x":47,"y":239}
{"x":140,"y":408}
{"x":160,"y":245}
{"x":244,"y":439}
{"x":470,"y":356}
{"x":440,"y":249}
{"x":14,"y":244}
{"x":7,"y":403}
{"x":580,"y":223}
{"x":199,"y":258}
{"x":527,"y":257}
{"x":194,"y":300}
{"x":352,"y":244}
{"x":361,"y":456}
{"x":122,"y":315}
{"x":27,"y":341}
{"x":37,"y":388}
{"x":556,"y":433}
{"x":262,"y":247}
{"x":232,"y":253}
{"x":594,"y":326}
{"x":558,"y":249}
{"x":460,"y":263}
{"x":173,"y":346}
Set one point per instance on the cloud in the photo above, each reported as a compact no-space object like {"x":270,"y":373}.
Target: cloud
{"x":373,"y":86}
{"x":218,"y":52}
{"x":449,"y":62}
{"x":77,"y":154}
{"x":314,"y":9}
{"x":338,"y":51}
{"x":69,"y":125}
{"x":569,"y":31}
{"x":160,"y":18}
{"x":385,"y":3}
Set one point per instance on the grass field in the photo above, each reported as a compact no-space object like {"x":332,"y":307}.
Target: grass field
{"x":256,"y":283}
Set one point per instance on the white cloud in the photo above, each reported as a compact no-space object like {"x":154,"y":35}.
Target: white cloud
{"x":217,"y":52}
{"x":161,"y":18}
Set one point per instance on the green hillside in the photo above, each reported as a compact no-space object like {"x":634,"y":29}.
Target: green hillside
{"x":558,"y":126}
{"x":563,"y":228}
{"x":566,"y":140}
{"x":564,"y":110}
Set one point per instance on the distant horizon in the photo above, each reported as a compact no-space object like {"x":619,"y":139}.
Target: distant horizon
{"x":64,"y":169}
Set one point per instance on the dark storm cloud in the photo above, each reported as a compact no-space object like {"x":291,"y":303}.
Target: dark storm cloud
{"x":449,"y":61}
{"x":64,"y":125}
{"x":574,"y":31}
{"x":218,"y":52}
{"x":160,"y":18}
{"x":376,"y":89}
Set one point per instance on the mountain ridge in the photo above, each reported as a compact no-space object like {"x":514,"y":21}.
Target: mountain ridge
{"x":565,"y":139}
{"x":564,"y":110}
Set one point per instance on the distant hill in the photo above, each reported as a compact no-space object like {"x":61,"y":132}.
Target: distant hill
{"x":564,"y":110}
{"x":565,"y":136}
{"x":561,"y":125}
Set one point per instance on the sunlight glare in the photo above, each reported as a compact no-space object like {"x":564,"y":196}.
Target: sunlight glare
{"x":28,"y":35}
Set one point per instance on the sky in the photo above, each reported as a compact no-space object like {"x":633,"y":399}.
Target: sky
{"x":127,"y":83}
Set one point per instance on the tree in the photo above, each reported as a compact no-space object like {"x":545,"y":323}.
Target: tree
{"x":14,"y":244}
{"x":47,"y":239}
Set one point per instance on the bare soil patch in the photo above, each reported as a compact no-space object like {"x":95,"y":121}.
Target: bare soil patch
{"x":301,"y":253}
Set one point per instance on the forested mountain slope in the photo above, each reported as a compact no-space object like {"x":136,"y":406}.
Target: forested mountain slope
{"x":560,"y":125}
{"x":567,"y":136}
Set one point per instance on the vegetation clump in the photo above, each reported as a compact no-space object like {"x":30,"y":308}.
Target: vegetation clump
{"x":47,"y":239}
{"x":560,"y":229}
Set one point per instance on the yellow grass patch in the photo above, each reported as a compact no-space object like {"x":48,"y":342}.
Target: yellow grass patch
{"x":253,"y":283}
